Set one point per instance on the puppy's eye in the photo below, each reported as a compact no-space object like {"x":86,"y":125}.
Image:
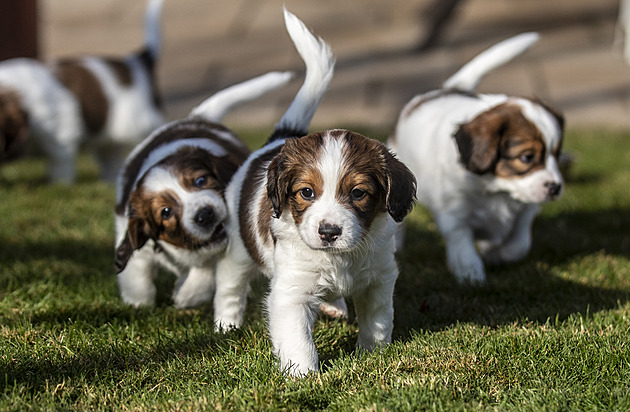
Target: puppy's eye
{"x":166,"y":213}
{"x":357,"y":194}
{"x":200,"y":181}
{"x":307,"y":193}
{"x":527,"y":158}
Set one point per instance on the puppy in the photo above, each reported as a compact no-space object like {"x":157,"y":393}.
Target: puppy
{"x":484,"y":163}
{"x":170,"y":209}
{"x":317,"y":215}
{"x":111,"y":103}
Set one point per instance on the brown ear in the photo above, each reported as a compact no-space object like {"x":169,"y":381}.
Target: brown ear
{"x":401,"y":187}
{"x":478,"y":140}
{"x":14,"y":127}
{"x":277,"y":183}
{"x":134,"y":239}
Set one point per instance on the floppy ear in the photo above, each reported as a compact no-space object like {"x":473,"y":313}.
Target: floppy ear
{"x":478,"y":140}
{"x":277,"y":184}
{"x":401,"y":187}
{"x":14,"y":128}
{"x":134,"y":239}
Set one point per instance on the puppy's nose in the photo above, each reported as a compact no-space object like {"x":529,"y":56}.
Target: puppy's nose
{"x":204,"y":216}
{"x":553,"y":189}
{"x":329,"y":232}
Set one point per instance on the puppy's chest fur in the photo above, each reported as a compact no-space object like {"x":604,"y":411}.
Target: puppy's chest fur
{"x":333,"y":273}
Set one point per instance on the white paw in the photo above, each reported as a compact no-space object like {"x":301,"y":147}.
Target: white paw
{"x":189,"y":297}
{"x":469,"y":270}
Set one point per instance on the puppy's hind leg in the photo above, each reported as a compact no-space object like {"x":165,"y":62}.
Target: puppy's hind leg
{"x":61,"y":164}
{"x":375,"y":312}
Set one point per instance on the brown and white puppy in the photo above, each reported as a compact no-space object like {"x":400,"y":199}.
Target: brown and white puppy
{"x":109,"y":103}
{"x":170,"y":209}
{"x":317,"y":215}
{"x":484,"y":163}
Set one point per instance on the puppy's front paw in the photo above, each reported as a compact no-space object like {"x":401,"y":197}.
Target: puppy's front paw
{"x":189,"y":297}
{"x":468,"y":269}
{"x":508,"y":253}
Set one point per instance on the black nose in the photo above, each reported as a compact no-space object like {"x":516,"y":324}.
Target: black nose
{"x":204,"y":217}
{"x":553,"y":189}
{"x":328,"y":232}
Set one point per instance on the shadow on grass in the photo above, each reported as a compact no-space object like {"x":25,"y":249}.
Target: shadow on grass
{"x":554,"y":282}
{"x":116,"y":360}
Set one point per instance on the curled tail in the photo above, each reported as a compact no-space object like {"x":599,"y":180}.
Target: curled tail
{"x":471,"y":74}
{"x":152,"y":28}
{"x":216,"y":106}
{"x":320,"y":64}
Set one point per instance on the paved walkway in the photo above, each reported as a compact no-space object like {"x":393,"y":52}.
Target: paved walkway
{"x":209,"y":44}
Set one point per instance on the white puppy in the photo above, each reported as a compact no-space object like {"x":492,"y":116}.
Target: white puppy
{"x":484,"y":162}
{"x":317,"y":215}
{"x":170,"y":209}
{"x":110,"y":103}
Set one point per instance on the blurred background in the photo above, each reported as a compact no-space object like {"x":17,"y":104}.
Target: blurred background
{"x":387,"y":51}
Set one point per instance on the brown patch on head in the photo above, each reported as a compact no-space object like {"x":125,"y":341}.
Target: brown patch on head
{"x":292,"y":176}
{"x":13,"y":126}
{"x":373,"y":180}
{"x":158,"y":216}
{"x":88,"y":90}
{"x":501,"y":141}
{"x":154,"y":216}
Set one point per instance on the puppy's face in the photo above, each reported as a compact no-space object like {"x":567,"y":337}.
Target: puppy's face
{"x":180,"y":201}
{"x":516,"y":146}
{"x":334,"y":184}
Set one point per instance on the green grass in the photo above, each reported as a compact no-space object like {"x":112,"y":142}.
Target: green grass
{"x":549,"y":333}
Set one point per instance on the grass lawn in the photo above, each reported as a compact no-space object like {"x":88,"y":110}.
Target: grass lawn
{"x":549,"y":333}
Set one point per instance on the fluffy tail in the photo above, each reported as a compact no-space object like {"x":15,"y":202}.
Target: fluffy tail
{"x":471,"y":74}
{"x":320,"y":64}
{"x":216,"y":106}
{"x":152,"y":28}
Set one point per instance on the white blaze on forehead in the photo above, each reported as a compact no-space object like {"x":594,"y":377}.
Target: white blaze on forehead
{"x":327,"y":208}
{"x":331,"y":165}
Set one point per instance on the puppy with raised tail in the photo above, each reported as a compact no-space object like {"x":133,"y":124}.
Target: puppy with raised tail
{"x":484,"y":162}
{"x":111,"y":104}
{"x":315,"y":213}
{"x":170,"y":208}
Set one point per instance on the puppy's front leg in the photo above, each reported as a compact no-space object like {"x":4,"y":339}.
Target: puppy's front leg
{"x":461,"y":254}
{"x":292,"y":309}
{"x":234,"y":271}
{"x":136,"y":280}
{"x":517,"y":245}
{"x":375,"y":311}
{"x":196,"y":288}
